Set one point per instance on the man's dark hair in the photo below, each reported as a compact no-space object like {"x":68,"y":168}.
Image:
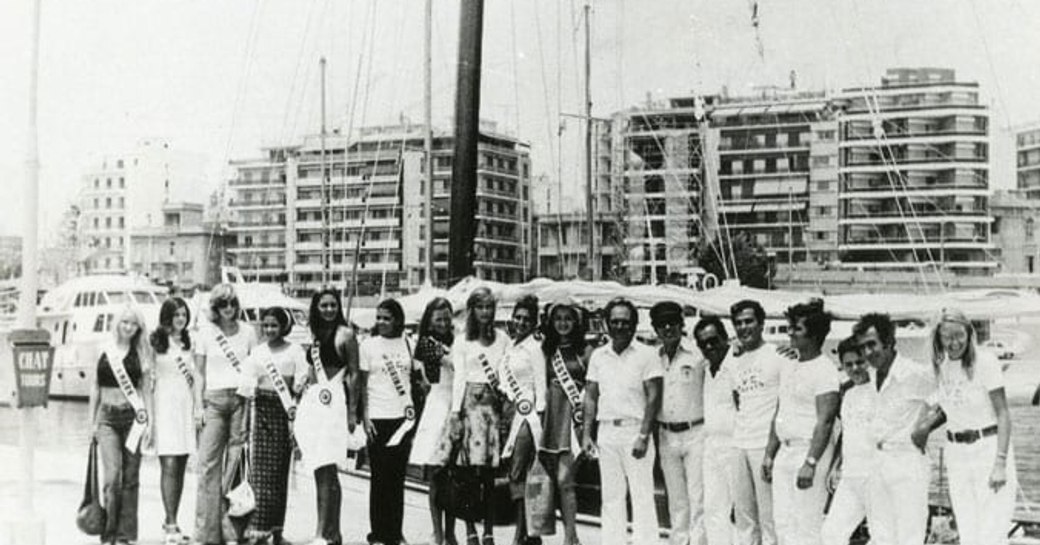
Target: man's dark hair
{"x":620,"y":302}
{"x":882,"y":323}
{"x":706,"y":321}
{"x":846,"y":346}
{"x":666,"y":312}
{"x":741,"y":306}
{"x":817,"y":320}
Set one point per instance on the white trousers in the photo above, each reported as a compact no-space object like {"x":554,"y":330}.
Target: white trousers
{"x":682,"y":463}
{"x":897,"y":498}
{"x":753,"y":499}
{"x":983,"y":516}
{"x":798,"y":514}
{"x":719,"y":457}
{"x":617,"y":467}
{"x":848,"y":508}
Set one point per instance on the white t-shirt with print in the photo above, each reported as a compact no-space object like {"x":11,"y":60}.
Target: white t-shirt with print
{"x":800,"y":383}
{"x":220,"y":373}
{"x":966,"y":401}
{"x":757,"y":382}
{"x":290,"y":361}
{"x":375,"y":356}
{"x":620,"y":378}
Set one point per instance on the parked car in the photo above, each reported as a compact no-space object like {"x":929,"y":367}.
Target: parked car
{"x":1002,"y":350}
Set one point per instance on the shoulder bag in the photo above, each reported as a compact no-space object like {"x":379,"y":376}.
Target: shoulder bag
{"x":91,"y":517}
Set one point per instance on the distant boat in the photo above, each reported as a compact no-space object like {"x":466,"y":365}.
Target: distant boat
{"x":80,"y":315}
{"x":253,"y":298}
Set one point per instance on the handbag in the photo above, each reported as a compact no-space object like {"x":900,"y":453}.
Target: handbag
{"x":240,"y":496}
{"x":463,"y":495}
{"x":91,"y":517}
{"x":539,"y":504}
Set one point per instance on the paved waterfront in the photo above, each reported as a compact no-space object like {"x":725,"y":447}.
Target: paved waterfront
{"x":61,"y":462}
{"x":64,"y":437}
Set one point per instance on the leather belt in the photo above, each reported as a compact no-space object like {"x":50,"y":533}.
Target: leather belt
{"x":678,"y":427}
{"x":970,"y":436}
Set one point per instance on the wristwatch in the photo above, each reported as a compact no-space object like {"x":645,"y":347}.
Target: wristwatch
{"x":644,"y":436}
{"x":810,"y":461}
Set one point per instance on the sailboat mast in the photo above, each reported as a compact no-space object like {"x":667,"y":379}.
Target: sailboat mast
{"x":467,"y":128}
{"x":428,"y":137}
{"x":590,"y":213}
{"x":326,"y":196}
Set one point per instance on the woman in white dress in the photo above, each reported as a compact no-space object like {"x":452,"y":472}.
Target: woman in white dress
{"x":981,"y":462}
{"x":436,"y":335}
{"x":328,"y":408}
{"x":173,"y":426}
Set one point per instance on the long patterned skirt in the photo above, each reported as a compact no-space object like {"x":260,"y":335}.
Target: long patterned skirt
{"x":270,"y":460}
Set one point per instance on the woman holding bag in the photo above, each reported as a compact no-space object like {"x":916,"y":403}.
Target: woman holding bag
{"x":523,"y":383}
{"x":436,"y":335}
{"x":384,"y":383}
{"x":174,"y":428}
{"x":567,"y":360}
{"x":328,"y":408}
{"x":223,"y":344}
{"x":268,"y":375}
{"x":475,"y":409}
{"x":118,"y":405}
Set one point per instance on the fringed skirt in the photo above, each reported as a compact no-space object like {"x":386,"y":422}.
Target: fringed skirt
{"x":270,"y":460}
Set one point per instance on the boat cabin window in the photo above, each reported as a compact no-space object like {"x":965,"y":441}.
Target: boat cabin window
{"x":79,"y":300}
{"x":117,"y":297}
{"x":64,"y":331}
{"x":144,"y":297}
{"x":250,"y":314}
{"x":103,"y":323}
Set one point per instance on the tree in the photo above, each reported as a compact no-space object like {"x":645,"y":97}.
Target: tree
{"x":755,"y":268}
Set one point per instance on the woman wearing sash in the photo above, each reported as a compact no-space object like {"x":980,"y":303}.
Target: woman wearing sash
{"x":221,"y":346}
{"x":436,"y":335}
{"x":174,"y":404}
{"x":118,"y":405}
{"x":384,"y":382}
{"x":475,"y":407}
{"x":523,"y":383}
{"x":268,"y":378}
{"x":567,"y":358}
{"x":328,"y":406}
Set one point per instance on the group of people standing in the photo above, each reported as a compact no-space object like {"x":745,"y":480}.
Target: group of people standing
{"x":758,"y":444}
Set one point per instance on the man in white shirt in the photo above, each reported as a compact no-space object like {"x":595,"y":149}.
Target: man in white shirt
{"x":623,"y":396}
{"x":801,"y":432}
{"x":853,"y":464}
{"x":897,"y":504}
{"x":757,"y":382}
{"x":680,"y":425}
{"x":719,"y":413}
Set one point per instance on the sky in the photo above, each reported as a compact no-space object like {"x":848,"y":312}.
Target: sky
{"x":226,"y":78}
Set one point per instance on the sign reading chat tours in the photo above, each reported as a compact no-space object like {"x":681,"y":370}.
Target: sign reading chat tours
{"x":33,"y":360}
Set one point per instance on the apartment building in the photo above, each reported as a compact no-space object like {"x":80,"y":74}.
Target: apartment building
{"x":1027,"y":154}
{"x":128,"y":191}
{"x":562,"y":245}
{"x":914,"y":174}
{"x":185,"y":252}
{"x":374,"y":200}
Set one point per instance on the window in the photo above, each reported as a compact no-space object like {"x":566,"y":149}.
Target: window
{"x":96,"y":223}
{"x":121,"y":223}
{"x":119,"y":163}
{"x":97,"y":203}
{"x":97,"y":183}
{"x":821,"y":160}
{"x":108,"y":202}
{"x":823,"y":186}
{"x":1030,"y":226}
{"x":108,"y":183}
{"x":108,"y":222}
{"x":172,"y":246}
{"x":99,"y":323}
{"x":122,"y":182}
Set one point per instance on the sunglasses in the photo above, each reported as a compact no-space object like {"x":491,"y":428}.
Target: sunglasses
{"x":224,"y":303}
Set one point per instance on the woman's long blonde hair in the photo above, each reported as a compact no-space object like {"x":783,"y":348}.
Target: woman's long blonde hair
{"x":139,"y":342}
{"x":474,"y":329}
{"x":954,"y":316}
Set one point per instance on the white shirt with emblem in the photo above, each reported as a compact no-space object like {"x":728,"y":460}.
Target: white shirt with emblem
{"x":800,"y":383}
{"x":683,"y":396}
